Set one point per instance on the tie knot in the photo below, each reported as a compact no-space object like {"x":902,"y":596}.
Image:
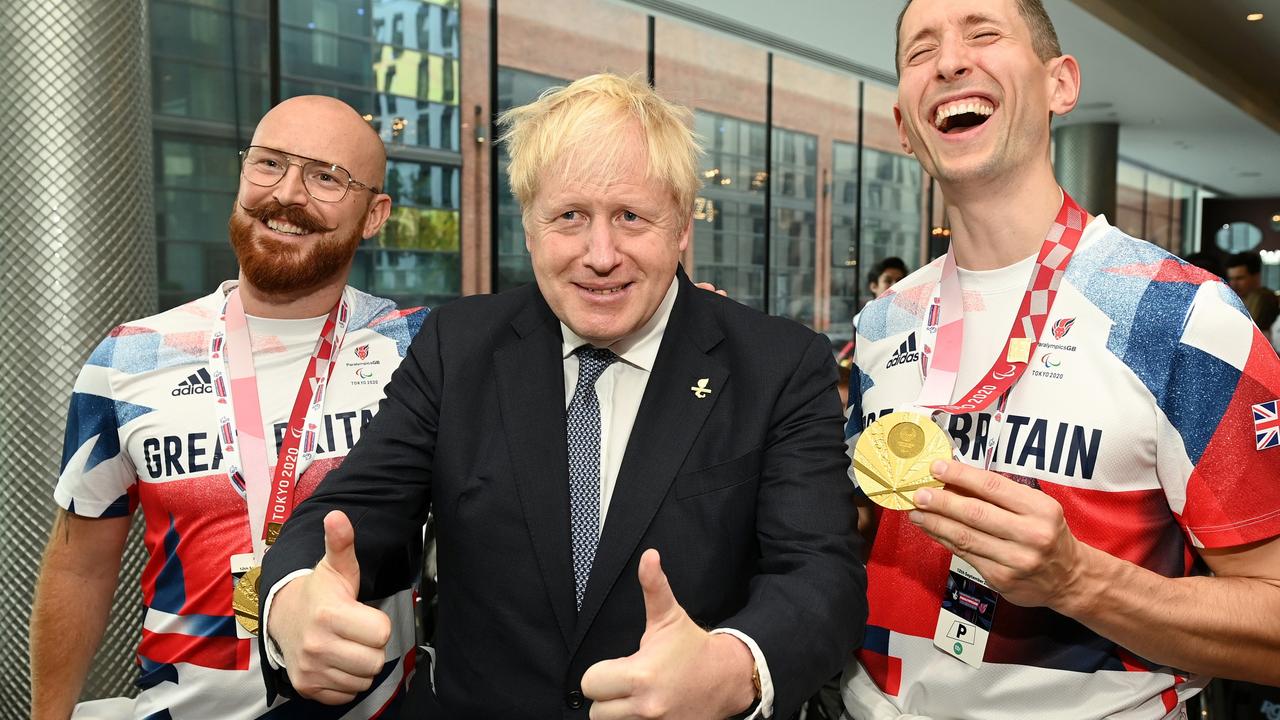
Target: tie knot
{"x":593,"y":361}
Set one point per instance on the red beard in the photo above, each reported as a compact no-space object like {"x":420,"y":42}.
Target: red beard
{"x":281,"y":268}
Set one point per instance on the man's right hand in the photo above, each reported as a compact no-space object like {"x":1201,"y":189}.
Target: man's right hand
{"x":333,"y":645}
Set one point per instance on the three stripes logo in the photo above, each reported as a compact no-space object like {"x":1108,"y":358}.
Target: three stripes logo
{"x":906,"y":353}
{"x":198,"y":383}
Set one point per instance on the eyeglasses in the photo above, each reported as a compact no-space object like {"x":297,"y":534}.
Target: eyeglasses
{"x":324,"y":181}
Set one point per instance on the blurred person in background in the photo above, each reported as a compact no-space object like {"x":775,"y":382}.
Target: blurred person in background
{"x":1209,"y":263}
{"x":880,"y":278}
{"x":884,"y":274}
{"x":1244,"y":274}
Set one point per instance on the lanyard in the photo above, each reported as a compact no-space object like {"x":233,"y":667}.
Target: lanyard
{"x":943,"y":329}
{"x":269,"y":495}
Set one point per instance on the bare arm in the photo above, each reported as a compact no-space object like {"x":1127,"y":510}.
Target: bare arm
{"x":73,"y":598}
{"x":1227,"y":625}
{"x":1016,"y":537}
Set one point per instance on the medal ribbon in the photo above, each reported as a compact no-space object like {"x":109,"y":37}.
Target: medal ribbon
{"x":270,"y":495}
{"x":943,"y":328}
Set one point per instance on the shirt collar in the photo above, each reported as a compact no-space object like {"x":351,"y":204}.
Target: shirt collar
{"x":640,"y":348}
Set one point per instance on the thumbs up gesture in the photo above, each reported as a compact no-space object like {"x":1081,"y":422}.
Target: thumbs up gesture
{"x":333,"y":645}
{"x":680,"y":671}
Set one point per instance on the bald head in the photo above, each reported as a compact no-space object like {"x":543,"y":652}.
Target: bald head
{"x":324,"y":128}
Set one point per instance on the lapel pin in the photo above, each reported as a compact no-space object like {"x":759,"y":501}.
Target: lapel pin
{"x":701,"y":390}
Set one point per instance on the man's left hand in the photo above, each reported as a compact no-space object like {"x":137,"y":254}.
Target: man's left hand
{"x":1016,"y":536}
{"x":680,"y":670}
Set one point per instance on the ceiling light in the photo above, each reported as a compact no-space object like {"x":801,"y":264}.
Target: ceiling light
{"x":1253,"y":17}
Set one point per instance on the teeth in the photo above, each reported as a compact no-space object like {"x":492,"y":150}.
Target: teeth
{"x":284,"y":227}
{"x":605,"y":291}
{"x":960,"y":107}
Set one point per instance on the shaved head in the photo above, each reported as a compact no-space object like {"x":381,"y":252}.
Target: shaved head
{"x":289,"y":243}
{"x":324,"y":128}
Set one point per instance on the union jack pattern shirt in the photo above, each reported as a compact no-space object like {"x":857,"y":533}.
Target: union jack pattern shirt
{"x":142,"y":431}
{"x":1148,"y":411}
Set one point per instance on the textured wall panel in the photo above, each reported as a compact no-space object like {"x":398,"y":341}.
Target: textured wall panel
{"x":77,"y":256}
{"x":1084,"y":160}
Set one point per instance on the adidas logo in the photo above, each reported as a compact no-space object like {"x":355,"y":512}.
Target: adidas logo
{"x":906,"y":353}
{"x":198,"y":383}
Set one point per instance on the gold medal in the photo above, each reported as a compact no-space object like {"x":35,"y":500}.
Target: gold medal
{"x":892,"y":458}
{"x":244,"y":602}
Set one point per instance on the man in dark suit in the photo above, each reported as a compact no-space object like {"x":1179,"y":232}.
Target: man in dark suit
{"x":565,"y":434}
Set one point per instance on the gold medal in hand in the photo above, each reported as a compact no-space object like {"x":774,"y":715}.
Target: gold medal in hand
{"x":892,"y":457}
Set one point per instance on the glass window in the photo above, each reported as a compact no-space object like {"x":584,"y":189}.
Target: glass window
{"x":891,"y":217}
{"x":1131,"y":188}
{"x":815,"y":111}
{"x":543,"y":45}
{"x":795,"y":213}
{"x":1184,"y":230}
{"x":318,"y":55}
{"x":893,"y":190}
{"x":1159,"y":227}
{"x":208,"y":62}
{"x":728,"y":221}
{"x":515,"y":88}
{"x":196,"y":181}
{"x":845,"y":274}
{"x":416,"y":259}
{"x":724,"y":80}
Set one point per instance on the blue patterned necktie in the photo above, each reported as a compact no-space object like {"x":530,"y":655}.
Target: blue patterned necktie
{"x":584,"y":463}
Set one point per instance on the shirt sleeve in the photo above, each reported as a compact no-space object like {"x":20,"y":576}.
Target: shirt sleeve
{"x":97,"y":479}
{"x":275,"y":657}
{"x":764,"y":708}
{"x":1218,"y":447}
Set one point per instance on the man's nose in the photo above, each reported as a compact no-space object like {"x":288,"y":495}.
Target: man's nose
{"x":291,"y":190}
{"x":953,"y":60}
{"x":602,"y":249}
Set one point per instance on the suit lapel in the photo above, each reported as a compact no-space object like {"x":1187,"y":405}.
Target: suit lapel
{"x":669,"y":419}
{"x":530,"y":377}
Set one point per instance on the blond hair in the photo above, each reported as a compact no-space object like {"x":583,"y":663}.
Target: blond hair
{"x":576,"y":126}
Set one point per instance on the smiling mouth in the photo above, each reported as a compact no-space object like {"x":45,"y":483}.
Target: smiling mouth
{"x":605,"y":292}
{"x":284,"y":227}
{"x":960,"y":115}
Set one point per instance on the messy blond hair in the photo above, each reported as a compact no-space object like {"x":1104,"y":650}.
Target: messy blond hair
{"x":574,"y":127}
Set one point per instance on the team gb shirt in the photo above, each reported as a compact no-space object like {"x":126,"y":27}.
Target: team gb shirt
{"x":142,"y":430}
{"x":1148,"y":411}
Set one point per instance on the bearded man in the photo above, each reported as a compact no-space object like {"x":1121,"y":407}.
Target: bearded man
{"x":185,"y":414}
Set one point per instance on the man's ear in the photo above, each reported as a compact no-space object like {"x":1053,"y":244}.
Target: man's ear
{"x":903,"y":139}
{"x":379,"y":211}
{"x":1064,"y":84}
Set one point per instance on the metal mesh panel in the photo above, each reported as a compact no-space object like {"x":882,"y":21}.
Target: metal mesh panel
{"x":1084,"y":161}
{"x":77,"y":256}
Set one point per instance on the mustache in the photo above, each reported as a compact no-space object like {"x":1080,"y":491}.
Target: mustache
{"x":292,"y":214}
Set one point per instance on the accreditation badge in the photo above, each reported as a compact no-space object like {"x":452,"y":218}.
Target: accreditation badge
{"x":892,"y":458}
{"x":967,"y":612}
